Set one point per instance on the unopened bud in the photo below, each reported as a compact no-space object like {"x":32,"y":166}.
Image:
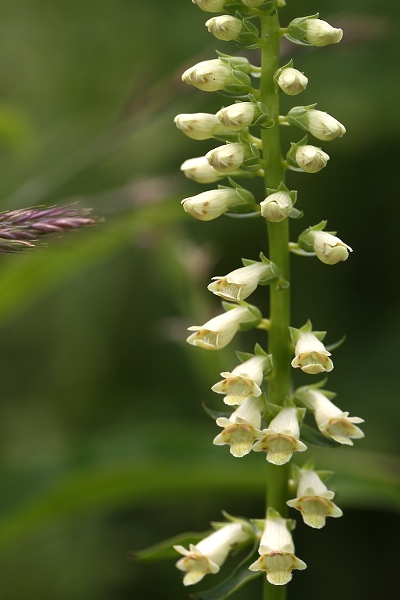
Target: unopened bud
{"x":225,"y":27}
{"x":311,"y":159}
{"x":238,"y":116}
{"x":276,"y":207}
{"x":200,"y":126}
{"x":210,"y":5}
{"x":291,"y":81}
{"x":320,"y":33}
{"x":226,"y":158}
{"x":200,"y":170}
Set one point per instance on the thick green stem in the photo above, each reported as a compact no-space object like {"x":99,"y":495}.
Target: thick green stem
{"x":278,"y":235}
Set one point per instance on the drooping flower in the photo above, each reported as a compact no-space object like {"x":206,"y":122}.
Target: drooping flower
{"x":219,"y":331}
{"x":311,"y":356}
{"x":276,"y":551}
{"x":330,"y":419}
{"x":210,"y":553}
{"x":242,"y":427}
{"x":243,"y":381}
{"x":314,"y":500}
{"x":240,"y":283}
{"x":281,"y":438}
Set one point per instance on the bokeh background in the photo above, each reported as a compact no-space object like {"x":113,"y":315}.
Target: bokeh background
{"x":104,"y":446}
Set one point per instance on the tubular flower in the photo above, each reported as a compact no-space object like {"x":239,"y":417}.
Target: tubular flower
{"x":219,"y":331}
{"x":238,"y":116}
{"x":331,"y":421}
{"x":311,"y":159}
{"x":240,"y":283}
{"x":242,"y":427}
{"x":281,"y":438}
{"x":210,"y":553}
{"x":329,"y":248}
{"x":200,"y":126}
{"x":213,"y":75}
{"x":243,"y":381}
{"x":210,"y":205}
{"x":314,"y":500}
{"x":311,"y":355}
{"x":276,"y":551}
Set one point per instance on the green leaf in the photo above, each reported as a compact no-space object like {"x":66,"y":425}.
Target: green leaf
{"x":164,"y":550}
{"x":237,"y":579}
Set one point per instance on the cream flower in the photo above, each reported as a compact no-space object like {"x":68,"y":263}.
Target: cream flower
{"x":200,"y":170}
{"x":243,"y":381}
{"x":311,"y":355}
{"x":323,"y":126}
{"x":240,"y":283}
{"x":210,"y":553}
{"x":213,"y":75}
{"x":225,"y":27}
{"x":242,"y":427}
{"x":329,"y":248}
{"x":311,"y":159}
{"x":210,"y":205}
{"x":281,"y":438}
{"x":210,"y":5}
{"x":237,"y":116}
{"x":276,"y":551}
{"x":277,"y":206}
{"x":219,"y":331}
{"x":331,"y":421}
{"x":314,"y":500}
{"x":291,"y":81}
{"x":226,"y":158}
{"x":320,"y":33}
{"x":200,"y":126}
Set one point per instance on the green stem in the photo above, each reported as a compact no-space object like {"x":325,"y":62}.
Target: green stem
{"x":278,"y":235}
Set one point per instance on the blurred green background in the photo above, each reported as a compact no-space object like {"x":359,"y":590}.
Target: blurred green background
{"x":104,"y":445}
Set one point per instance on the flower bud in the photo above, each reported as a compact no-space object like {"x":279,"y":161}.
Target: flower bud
{"x":291,"y":81}
{"x":238,"y":116}
{"x":311,"y":159}
{"x":211,"y":204}
{"x":200,"y":170}
{"x":319,"y":123}
{"x":226,"y":158}
{"x":200,"y":126}
{"x":225,"y":27}
{"x":210,"y":5}
{"x":216,"y":74}
{"x":320,"y":33}
{"x":329,"y":248}
{"x":276,"y":207}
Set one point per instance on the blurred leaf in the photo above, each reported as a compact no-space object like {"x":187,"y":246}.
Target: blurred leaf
{"x":132,"y":476}
{"x":25,"y":278}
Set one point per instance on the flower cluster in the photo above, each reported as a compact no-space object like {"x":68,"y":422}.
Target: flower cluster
{"x":264,"y":415}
